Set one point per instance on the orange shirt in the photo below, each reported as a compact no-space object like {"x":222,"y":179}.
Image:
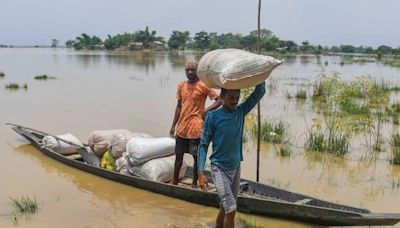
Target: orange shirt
{"x":193,"y":99}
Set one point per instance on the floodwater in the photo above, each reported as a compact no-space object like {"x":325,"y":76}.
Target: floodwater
{"x":136,"y":91}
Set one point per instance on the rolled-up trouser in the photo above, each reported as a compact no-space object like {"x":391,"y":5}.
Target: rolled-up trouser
{"x":227,"y":183}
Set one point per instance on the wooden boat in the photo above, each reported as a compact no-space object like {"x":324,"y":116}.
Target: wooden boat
{"x":254,"y":198}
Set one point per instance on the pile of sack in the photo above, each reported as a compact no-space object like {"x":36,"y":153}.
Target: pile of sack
{"x":130,"y":153}
{"x":150,"y":158}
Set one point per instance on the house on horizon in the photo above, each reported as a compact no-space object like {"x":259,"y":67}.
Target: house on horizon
{"x":157,"y":46}
{"x":135,"y":46}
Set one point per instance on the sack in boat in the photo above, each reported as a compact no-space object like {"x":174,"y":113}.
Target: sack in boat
{"x":122,"y":164}
{"x":60,"y":146}
{"x":89,"y":156}
{"x":100,"y":140}
{"x":159,"y":169}
{"x":108,"y":161}
{"x":140,"y":150}
{"x":119,"y":141}
{"x":235,"y":68}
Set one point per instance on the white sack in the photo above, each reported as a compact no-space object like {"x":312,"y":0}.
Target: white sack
{"x":122,"y":164}
{"x":89,"y":156}
{"x":119,"y":141}
{"x":140,"y":150}
{"x":159,"y":169}
{"x":100,"y":140}
{"x":235,"y":68}
{"x":60,"y":146}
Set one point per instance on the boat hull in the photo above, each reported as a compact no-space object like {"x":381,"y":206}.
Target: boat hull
{"x":273,"y":202}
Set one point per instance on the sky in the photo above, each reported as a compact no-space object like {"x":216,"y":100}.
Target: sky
{"x":324,"y":22}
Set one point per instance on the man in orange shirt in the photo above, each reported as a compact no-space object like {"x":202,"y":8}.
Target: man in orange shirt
{"x":189,"y":117}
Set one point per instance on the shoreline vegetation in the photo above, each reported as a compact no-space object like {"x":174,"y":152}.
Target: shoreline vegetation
{"x":207,"y":41}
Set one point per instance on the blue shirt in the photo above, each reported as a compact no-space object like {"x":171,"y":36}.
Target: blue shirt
{"x":225,"y":130}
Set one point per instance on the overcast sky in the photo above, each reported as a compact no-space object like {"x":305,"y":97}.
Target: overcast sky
{"x":325,"y":22}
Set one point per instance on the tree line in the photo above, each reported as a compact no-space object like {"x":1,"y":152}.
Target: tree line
{"x":204,"y":41}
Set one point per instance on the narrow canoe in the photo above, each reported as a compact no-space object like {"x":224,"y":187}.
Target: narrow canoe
{"x":254,"y":198}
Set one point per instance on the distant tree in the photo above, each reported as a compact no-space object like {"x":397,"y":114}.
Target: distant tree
{"x":335,"y":49}
{"x":229,"y":40}
{"x":145,"y":36}
{"x":291,"y":46}
{"x":86,"y":42}
{"x":54,"y":43}
{"x":264,"y":33}
{"x":347,"y":48}
{"x":368,"y":50}
{"x":305,"y":46}
{"x":202,"y":40}
{"x":384,"y":49}
{"x":178,"y":40}
{"x":69,"y":43}
{"x":396,"y":51}
{"x":318,"y":49}
{"x":119,"y":40}
{"x":249,"y":42}
{"x":214,"y":41}
{"x":272,"y":43}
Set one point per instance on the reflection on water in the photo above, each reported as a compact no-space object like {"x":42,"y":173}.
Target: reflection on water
{"x":136,"y":91}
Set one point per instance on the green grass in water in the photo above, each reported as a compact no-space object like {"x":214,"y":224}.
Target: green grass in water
{"x":285,"y":150}
{"x":354,"y":108}
{"x":25,"y":205}
{"x":43,"y":77}
{"x":16,"y":86}
{"x":301,"y":94}
{"x":12,"y":86}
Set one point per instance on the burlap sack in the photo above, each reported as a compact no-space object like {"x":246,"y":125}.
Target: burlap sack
{"x":235,"y":68}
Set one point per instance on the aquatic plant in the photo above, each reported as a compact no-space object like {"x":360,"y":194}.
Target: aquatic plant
{"x":301,"y":94}
{"x":25,"y":205}
{"x":395,"y":145}
{"x":274,"y":132}
{"x":395,"y":107}
{"x":336,"y":142}
{"x":285,"y":150}
{"x":395,"y":88}
{"x":12,"y":86}
{"x":16,"y":86}
{"x":353,"y":108}
{"x":43,"y":77}
{"x":395,"y":119}
{"x":315,"y":141}
{"x":392,"y":62}
{"x":395,"y":140}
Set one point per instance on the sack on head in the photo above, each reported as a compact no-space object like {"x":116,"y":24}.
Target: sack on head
{"x":235,"y":68}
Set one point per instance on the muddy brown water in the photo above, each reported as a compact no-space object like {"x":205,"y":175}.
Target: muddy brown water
{"x":136,"y":91}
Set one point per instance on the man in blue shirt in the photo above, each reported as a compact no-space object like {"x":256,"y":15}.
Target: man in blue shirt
{"x":224,"y":128}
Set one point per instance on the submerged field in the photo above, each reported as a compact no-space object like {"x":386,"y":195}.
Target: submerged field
{"x":330,"y":130}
